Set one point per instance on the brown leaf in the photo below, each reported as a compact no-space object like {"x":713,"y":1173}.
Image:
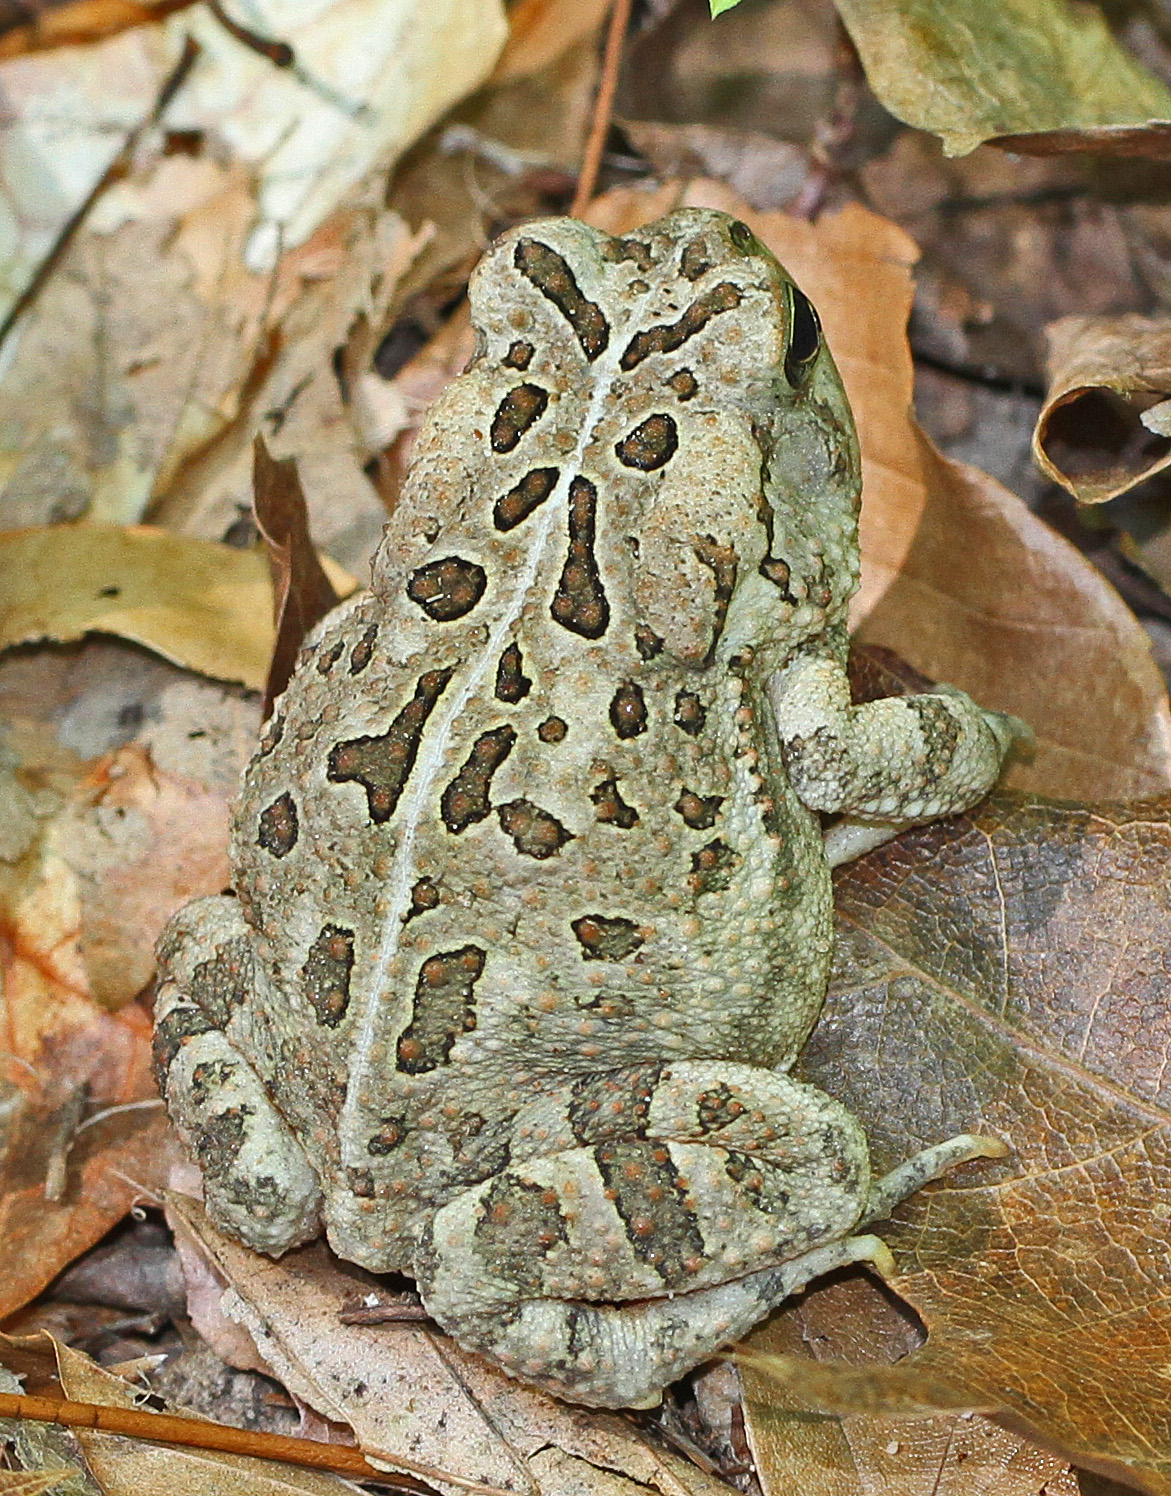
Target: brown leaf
{"x":1105,"y":425}
{"x":302,"y":593}
{"x":541,"y":31}
{"x":852,"y":1319}
{"x":1005,"y":973}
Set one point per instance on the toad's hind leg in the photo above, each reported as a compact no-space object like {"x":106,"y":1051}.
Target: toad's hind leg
{"x":257,"y":1182}
{"x":697,"y":1197}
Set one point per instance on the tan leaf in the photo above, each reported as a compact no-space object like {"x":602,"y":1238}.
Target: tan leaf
{"x":205,"y":606}
{"x":1103,"y":427}
{"x":365,"y":80}
{"x":541,"y":31}
{"x":33,"y":1482}
{"x":851,"y":1319}
{"x":66,"y":117}
{"x":1039,"y":1018}
{"x":1032,"y":75}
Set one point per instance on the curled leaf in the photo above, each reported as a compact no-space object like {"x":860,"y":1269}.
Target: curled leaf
{"x":1106,"y":422}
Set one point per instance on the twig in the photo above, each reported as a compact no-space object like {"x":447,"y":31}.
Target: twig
{"x":603,"y":108}
{"x":166,"y":1428}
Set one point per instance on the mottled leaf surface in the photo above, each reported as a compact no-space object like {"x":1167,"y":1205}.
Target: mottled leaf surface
{"x":1006,"y":972}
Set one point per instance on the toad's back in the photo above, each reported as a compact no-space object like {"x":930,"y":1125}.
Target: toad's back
{"x":519,"y":815}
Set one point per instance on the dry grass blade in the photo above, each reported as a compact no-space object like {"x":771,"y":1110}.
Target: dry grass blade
{"x":603,"y":108}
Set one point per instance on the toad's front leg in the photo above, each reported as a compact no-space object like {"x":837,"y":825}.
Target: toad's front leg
{"x":257,"y":1182}
{"x":667,"y":1213}
{"x":882,"y":764}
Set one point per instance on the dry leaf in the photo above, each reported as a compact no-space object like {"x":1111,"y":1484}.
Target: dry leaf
{"x":66,"y":117}
{"x":303,"y":593}
{"x":134,"y":1467}
{"x":541,"y":31}
{"x":205,"y":606}
{"x":851,"y":1319}
{"x":1033,"y":75}
{"x":1103,"y":427}
{"x":409,"y":1390}
{"x":1004,"y":973}
{"x":366,"y":79}
{"x":81,"y":1128}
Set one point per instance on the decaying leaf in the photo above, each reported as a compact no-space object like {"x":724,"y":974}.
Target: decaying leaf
{"x":128,"y":1465}
{"x":362,"y":80}
{"x":852,"y":1319}
{"x":1032,"y":75}
{"x":1106,"y":422}
{"x":408,"y":1389}
{"x":1005,"y":972}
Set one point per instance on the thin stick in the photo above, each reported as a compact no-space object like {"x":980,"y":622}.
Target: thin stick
{"x":603,"y":108}
{"x":166,"y":1428}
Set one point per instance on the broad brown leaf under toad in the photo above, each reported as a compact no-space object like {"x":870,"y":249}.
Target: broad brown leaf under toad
{"x":1006,"y":972}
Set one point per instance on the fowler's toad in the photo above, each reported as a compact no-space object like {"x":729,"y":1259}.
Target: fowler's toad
{"x":533,"y":912}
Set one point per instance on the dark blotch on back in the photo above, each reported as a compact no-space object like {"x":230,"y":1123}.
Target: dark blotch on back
{"x":612,"y":809}
{"x":447,"y":589}
{"x":580,"y":603}
{"x":277,"y":829}
{"x":669,"y":336}
{"x":603,"y":938}
{"x":519,"y":355}
{"x":512,"y":685}
{"x":519,"y":502}
{"x":647,"y":642}
{"x":325,"y":977}
{"x":628,"y":710}
{"x":328,"y":658}
{"x":612,"y":1104}
{"x":690,"y":713}
{"x":699,"y":811}
{"x":466,"y":798}
{"x":517,"y":1223}
{"x":221,"y":984}
{"x":383,"y":763}
{"x":695,"y":261}
{"x":551,"y":275}
{"x":515,"y":414}
{"x":443,"y":1008}
{"x":684,"y":383}
{"x":363,"y":652}
{"x":424,"y":896}
{"x":651,"y":444}
{"x":389,"y":1135}
{"x":553,"y":730}
{"x":712,"y":867}
{"x":534,"y":832}
{"x":721,"y":561}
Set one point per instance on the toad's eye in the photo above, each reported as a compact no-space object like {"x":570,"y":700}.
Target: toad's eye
{"x":741,"y":235}
{"x":804,"y":338}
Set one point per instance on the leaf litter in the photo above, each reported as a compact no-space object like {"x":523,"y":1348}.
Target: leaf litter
{"x":1005,"y":966}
